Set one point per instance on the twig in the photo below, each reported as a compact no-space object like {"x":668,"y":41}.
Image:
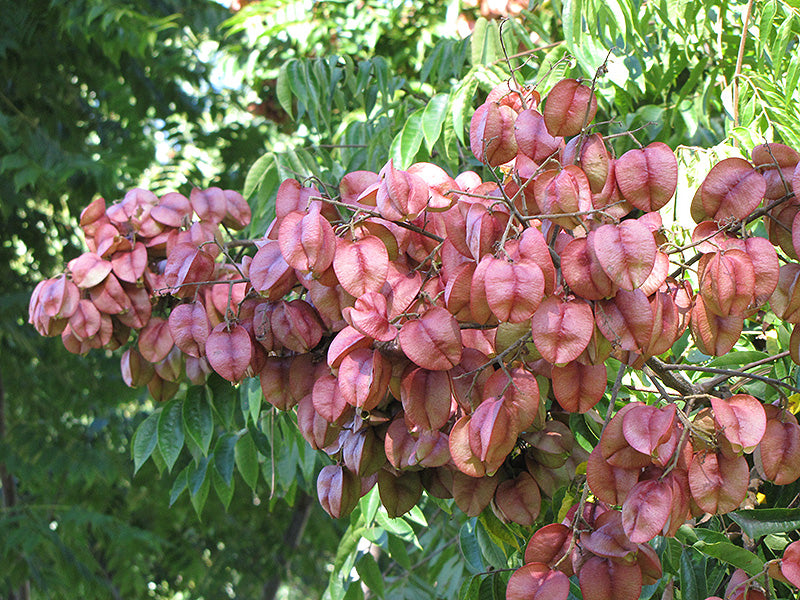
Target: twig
{"x":510,"y":68}
{"x":239,"y":243}
{"x":685,"y":266}
{"x":710,"y":384}
{"x":614,"y":393}
{"x":739,"y":61}
{"x":214,"y":281}
{"x":378,"y":215}
{"x":677,"y":382}
{"x":580,"y":213}
{"x":728,"y":372}
{"x":527,"y":52}
{"x":691,"y":245}
{"x":662,"y":391}
{"x":683,"y":439}
{"x":763,"y":211}
{"x":499,"y":357}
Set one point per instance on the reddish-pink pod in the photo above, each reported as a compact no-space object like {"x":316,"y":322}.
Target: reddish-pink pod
{"x":731,"y":190}
{"x":270,"y":273}
{"x":561,"y":192}
{"x":776,"y":162}
{"x":354,"y":184}
{"x":189,"y":326}
{"x":426,"y":398}
{"x":569,"y":107}
{"x":364,"y":378}
{"x":593,"y":159}
{"x":728,"y":282}
{"x":626,"y":252}
{"x":514,"y":290}
{"x":401,"y":195}
{"x":742,"y":420}
{"x":155,"y":340}
{"x":777,"y":456}
{"x":369,"y":317}
{"x":361,"y":266}
{"x":295,"y":325}
{"x":85,"y":320}
{"x":582,"y":270}
{"x":229,"y":350}
{"x":790,"y":563}
{"x":647,"y":177}
{"x":88,"y":270}
{"x":536,"y":581}
{"x":718,"y":484}
{"x":714,"y":335}
{"x":338,"y":490}
{"x":606,"y":579}
{"x":130,"y":265}
{"x":209,"y":204}
{"x":491,"y":134}
{"x":562,"y":330}
{"x":626,"y":320}
{"x":172,"y":209}
{"x":307,"y":240}
{"x":578,"y":387}
{"x":136,"y":371}
{"x":57,"y":298}
{"x":533,"y":139}
{"x":433,"y":341}
{"x":186,"y":264}
{"x":237,"y":211}
{"x":647,"y":509}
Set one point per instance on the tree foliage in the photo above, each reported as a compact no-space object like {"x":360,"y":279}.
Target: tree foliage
{"x":414,"y":106}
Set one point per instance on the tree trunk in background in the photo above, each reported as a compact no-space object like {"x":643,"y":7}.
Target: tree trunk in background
{"x":291,"y":539}
{"x":9,"y":489}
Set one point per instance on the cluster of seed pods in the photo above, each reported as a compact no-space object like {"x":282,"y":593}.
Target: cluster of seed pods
{"x":432,"y":332}
{"x":142,"y":251}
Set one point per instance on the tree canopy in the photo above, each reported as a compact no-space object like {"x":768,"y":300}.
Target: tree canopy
{"x":167,"y":95}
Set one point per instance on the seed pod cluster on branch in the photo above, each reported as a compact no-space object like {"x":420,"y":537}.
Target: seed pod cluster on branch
{"x":434,"y":332}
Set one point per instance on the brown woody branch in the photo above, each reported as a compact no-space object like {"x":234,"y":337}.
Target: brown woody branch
{"x":710,"y":384}
{"x":666,"y":368}
{"x":677,"y":382}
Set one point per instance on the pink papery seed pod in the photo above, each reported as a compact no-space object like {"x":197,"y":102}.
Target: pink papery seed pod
{"x":93,"y":216}
{"x":229,"y":351}
{"x":237,"y":212}
{"x":187,"y":264}
{"x":155,"y":340}
{"x":491,"y":133}
{"x":296,"y":325}
{"x":110,"y":297}
{"x":307,"y":240}
{"x":338,"y":489}
{"x":58,"y":297}
{"x":269,"y":272}
{"x":401,"y":195}
{"x":85,"y":320}
{"x":209,"y":205}
{"x":88,"y":270}
{"x":173,"y":210}
{"x":189,"y":326}
{"x":136,"y":370}
{"x":569,"y":106}
{"x":129,"y":265}
{"x":364,"y":378}
{"x":197,"y":370}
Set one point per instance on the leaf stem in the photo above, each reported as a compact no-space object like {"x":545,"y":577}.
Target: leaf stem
{"x":739,"y":61}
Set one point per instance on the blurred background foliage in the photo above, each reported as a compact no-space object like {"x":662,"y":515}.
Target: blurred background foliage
{"x":99,"y":96}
